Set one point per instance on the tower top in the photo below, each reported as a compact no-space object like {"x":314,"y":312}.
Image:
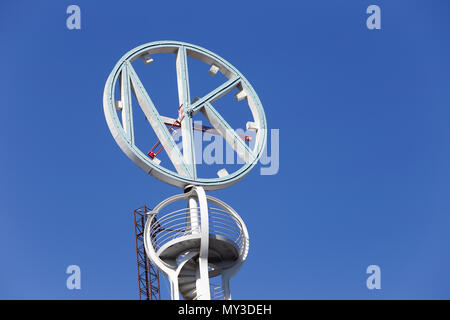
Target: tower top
{"x":119,"y":115}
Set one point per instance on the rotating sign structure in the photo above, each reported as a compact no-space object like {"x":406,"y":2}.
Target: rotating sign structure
{"x":184,"y":162}
{"x":206,"y":239}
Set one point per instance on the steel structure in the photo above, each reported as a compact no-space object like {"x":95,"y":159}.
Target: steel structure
{"x":148,"y":274}
{"x":190,"y":245}
{"x":123,"y":129}
{"x":204,"y":239}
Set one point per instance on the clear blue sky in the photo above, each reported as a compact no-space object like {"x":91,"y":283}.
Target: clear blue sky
{"x":364,"y":155}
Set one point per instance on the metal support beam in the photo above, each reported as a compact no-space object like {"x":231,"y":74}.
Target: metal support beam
{"x":148,"y":274}
{"x":184,"y":100}
{"x":215,"y":94}
{"x":158,"y":125}
{"x":230,"y":136}
{"x":125,"y":96}
{"x":203,"y":290}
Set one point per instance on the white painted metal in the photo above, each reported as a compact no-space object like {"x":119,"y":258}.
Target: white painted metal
{"x":184,"y":163}
{"x":251,"y":126}
{"x":241,"y":95}
{"x":198,"y":242}
{"x":193,"y":217}
{"x":188,"y":255}
{"x":213,"y":70}
{"x":157,"y":124}
{"x":125,"y":104}
{"x":215,"y":94}
{"x":230,"y":136}
{"x":156,"y":160}
{"x":184,"y":101}
{"x":202,"y":282}
{"x":147,"y":58}
{"x":222,"y":173}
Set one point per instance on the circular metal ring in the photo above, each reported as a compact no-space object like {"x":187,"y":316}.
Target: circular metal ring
{"x":235,"y":80}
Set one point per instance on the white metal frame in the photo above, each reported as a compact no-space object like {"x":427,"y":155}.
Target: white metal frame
{"x":123,"y":131}
{"x":172,"y":272}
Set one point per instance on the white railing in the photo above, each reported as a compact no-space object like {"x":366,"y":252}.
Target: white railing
{"x":171,"y":226}
{"x":217,"y":292}
{"x":177,"y":224}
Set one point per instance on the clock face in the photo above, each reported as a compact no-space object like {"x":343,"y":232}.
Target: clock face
{"x":125,"y":92}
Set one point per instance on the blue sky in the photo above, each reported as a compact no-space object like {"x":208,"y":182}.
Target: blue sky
{"x":364,"y":146}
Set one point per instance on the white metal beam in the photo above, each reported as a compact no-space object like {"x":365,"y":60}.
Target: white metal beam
{"x":202,"y":284}
{"x":184,"y":99}
{"x":236,"y":142}
{"x":157,"y":124}
{"x":215,"y":94}
{"x":125,"y":103}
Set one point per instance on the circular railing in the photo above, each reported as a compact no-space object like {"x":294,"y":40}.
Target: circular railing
{"x":187,"y":221}
{"x":217,"y":292}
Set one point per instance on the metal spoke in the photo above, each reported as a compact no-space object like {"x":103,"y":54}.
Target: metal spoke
{"x":219,"y":123}
{"x":184,"y":100}
{"x":127,"y":114}
{"x":157,"y":124}
{"x":215,"y":94}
